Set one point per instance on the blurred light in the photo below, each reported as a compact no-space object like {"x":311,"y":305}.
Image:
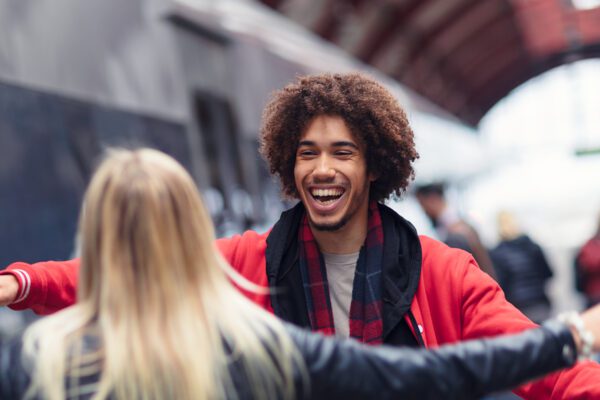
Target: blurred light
{"x":585,"y":4}
{"x":587,"y":152}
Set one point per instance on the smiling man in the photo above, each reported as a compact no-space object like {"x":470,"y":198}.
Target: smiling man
{"x":342,"y":262}
{"x":332,"y":180}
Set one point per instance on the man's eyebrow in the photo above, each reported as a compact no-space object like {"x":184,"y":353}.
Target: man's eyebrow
{"x":343,"y":143}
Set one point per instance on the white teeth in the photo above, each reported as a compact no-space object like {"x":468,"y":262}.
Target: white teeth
{"x":326,"y":192}
{"x":327,"y":202}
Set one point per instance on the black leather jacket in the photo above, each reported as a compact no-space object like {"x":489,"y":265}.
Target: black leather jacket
{"x":349,"y":370}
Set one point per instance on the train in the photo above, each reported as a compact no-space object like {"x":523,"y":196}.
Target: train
{"x":188,"y":77}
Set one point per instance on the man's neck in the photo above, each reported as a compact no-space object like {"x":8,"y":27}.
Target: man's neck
{"x":346,"y":240}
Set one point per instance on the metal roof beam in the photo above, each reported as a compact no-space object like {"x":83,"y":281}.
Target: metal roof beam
{"x":332,"y":18}
{"x":274,"y":4}
{"x":394,"y":20}
{"x":420,"y":45}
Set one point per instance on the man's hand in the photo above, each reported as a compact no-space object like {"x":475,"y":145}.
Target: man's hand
{"x":9,"y":287}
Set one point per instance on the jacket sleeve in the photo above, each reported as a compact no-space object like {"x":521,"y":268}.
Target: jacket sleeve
{"x":347,"y":369}
{"x":485,"y":312}
{"x":228,"y":248}
{"x":245,"y":252}
{"x":50,"y":286}
{"x":45,"y":287}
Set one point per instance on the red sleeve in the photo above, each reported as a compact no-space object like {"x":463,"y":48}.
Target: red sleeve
{"x":486,"y":312}
{"x":228,"y":248}
{"x":45,"y":287}
{"x":246,"y":254}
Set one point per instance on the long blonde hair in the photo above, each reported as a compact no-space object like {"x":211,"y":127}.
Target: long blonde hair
{"x":154,"y":291}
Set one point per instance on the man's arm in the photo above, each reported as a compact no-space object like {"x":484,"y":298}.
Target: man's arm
{"x":45,"y":287}
{"x":486,"y":313}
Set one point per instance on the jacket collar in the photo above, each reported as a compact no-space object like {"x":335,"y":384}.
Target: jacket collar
{"x":401,"y":266}
{"x":282,"y":239}
{"x":401,"y":260}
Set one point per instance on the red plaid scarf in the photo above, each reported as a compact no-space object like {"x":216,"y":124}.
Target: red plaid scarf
{"x":366,"y":323}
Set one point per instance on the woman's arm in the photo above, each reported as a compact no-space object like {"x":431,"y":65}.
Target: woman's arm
{"x":463,"y":371}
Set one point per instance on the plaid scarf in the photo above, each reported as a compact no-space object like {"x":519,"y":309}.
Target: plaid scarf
{"x":366,"y":323}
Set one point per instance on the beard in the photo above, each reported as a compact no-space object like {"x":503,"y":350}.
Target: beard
{"x":333,"y":226}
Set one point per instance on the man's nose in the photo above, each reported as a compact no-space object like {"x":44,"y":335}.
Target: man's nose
{"x":324,"y":169}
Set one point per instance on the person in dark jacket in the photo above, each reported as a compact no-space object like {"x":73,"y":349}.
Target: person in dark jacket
{"x":522,"y":269}
{"x":157,"y":318}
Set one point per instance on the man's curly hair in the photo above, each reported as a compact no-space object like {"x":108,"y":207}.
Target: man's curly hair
{"x":371,"y":113}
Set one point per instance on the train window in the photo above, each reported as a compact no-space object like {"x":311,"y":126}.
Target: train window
{"x":42,"y":180}
{"x":47,"y":158}
{"x":218,"y":130}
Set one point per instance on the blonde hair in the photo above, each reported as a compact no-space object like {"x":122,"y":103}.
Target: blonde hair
{"x":154,"y":291}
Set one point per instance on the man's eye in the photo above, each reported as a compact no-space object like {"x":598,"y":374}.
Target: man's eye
{"x":343,"y":153}
{"x":306,"y":153}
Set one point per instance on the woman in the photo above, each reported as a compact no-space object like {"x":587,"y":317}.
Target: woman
{"x":157,"y":318}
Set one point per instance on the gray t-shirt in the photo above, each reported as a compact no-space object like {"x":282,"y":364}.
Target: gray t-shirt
{"x":340,"y":276}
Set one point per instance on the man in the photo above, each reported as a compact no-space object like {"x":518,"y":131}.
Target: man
{"x":450,"y":227}
{"x":341,"y":262}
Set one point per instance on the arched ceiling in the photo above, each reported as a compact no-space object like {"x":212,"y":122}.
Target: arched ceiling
{"x":464,"y":55}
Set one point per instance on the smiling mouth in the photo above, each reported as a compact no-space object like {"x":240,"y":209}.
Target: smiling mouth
{"x":327,"y":196}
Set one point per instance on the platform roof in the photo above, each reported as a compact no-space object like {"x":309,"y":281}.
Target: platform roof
{"x":464,"y":55}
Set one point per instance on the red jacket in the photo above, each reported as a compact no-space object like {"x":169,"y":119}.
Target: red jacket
{"x":454,"y":301}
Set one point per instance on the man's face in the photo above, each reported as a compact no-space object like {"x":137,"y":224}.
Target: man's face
{"x":331,"y":174}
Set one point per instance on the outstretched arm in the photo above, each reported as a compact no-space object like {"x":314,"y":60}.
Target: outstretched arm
{"x":463,"y":371}
{"x":45,"y":287}
{"x":485,"y":313}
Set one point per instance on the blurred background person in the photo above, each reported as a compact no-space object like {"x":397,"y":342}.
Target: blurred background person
{"x":587,"y":269}
{"x":521,"y":269}
{"x":450,"y":227}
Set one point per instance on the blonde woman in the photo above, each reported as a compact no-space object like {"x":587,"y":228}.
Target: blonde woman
{"x":157,"y":318}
